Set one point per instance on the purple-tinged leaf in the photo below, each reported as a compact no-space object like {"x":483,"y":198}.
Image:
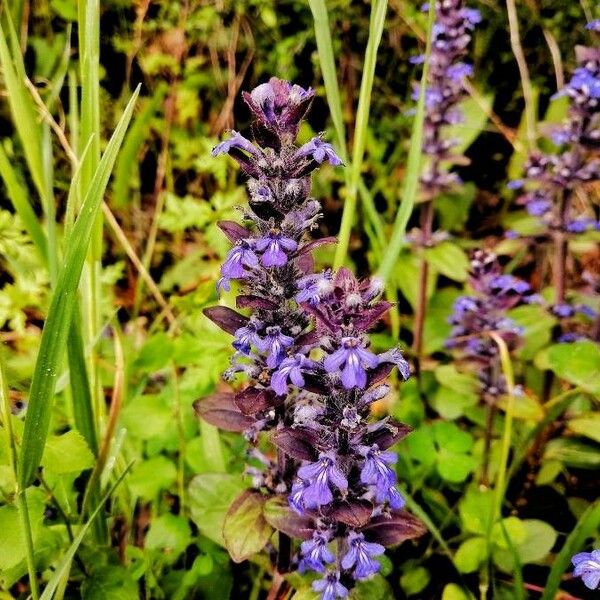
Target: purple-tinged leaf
{"x":379,"y":373}
{"x":226,"y":318}
{"x":252,"y":400}
{"x":354,"y":513}
{"x":307,"y":339}
{"x":245,"y":529}
{"x":394,"y":529}
{"x":254,"y":302}
{"x":234,"y":231}
{"x":306,"y":263}
{"x":370,"y":316}
{"x":220,"y":410}
{"x":314,"y":244}
{"x":300,"y":443}
{"x":387,"y":435}
{"x":279,"y":515}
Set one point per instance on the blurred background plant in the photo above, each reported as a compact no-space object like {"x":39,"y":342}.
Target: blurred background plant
{"x":119,"y":273}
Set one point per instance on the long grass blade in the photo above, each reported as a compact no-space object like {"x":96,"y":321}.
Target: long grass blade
{"x":586,"y":526}
{"x":413,"y":169}
{"x":23,"y":110}
{"x":65,"y":563}
{"x":60,"y":314}
{"x":329,"y":71}
{"x":376,"y":23}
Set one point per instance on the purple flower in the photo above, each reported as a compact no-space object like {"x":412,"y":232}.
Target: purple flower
{"x":392,"y":496}
{"x":594,"y":25}
{"x":315,"y":553}
{"x":352,"y":358}
{"x":240,"y":256}
{"x":330,"y":587}
{"x":564,"y":311}
{"x":275,"y":248}
{"x":376,"y":469}
{"x":319,"y":151}
{"x":274,"y":345}
{"x":361,"y":555}
{"x":296,"y":497}
{"x":237,"y":140}
{"x":321,"y":476}
{"x":315,"y":288}
{"x":395,"y":357}
{"x":247,"y":336}
{"x":290,"y":369}
{"x":587,"y":566}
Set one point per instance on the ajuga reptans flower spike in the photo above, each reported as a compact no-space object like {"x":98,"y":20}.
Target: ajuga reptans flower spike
{"x":303,"y":369}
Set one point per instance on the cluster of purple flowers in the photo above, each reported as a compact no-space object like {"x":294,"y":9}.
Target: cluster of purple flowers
{"x":587,"y":566}
{"x":304,"y":351}
{"x":445,"y":89}
{"x":554,"y":185}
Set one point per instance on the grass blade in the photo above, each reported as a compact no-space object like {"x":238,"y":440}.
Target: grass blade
{"x":586,"y":526}
{"x":329,"y":71}
{"x":58,"y":322}
{"x":23,"y":111}
{"x":376,"y":23}
{"x":413,"y":169}
{"x":65,"y":563}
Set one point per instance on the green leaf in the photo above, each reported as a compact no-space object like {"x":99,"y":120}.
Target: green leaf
{"x":470,"y":554}
{"x":151,"y":476}
{"x":169,"y":533}
{"x":58,"y":321}
{"x":453,"y":466}
{"x":67,"y":453}
{"x":110,"y":582}
{"x":586,"y":425}
{"x":475,"y":112}
{"x":147,"y":416}
{"x":375,"y":588}
{"x":515,"y":529}
{"x":415,"y":580}
{"x":475,"y":510}
{"x":450,"y":437}
{"x":573,"y":453}
{"x":452,"y":591}
{"x":537,"y":327}
{"x":450,"y":260}
{"x":210,"y":496}
{"x":155,"y":354}
{"x":245,"y":529}
{"x":578,"y":363}
{"x":539,"y":538}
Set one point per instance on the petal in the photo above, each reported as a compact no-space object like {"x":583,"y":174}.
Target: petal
{"x":333,"y":362}
{"x":337,"y":478}
{"x":591,"y":579}
{"x":350,"y":558}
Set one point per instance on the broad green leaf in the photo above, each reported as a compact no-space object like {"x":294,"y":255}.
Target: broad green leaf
{"x":537,"y":327}
{"x":515,"y":529}
{"x":470,"y":554}
{"x":451,"y":404}
{"x":452,"y":591}
{"x":449,"y":260}
{"x":58,"y":321}
{"x":245,"y":529}
{"x":586,"y":425}
{"x":210,"y":496}
{"x":475,"y":112}
{"x":450,"y":437}
{"x":578,"y":363}
{"x":475,"y":509}
{"x":110,"y":582}
{"x":67,"y":453}
{"x":539,"y":539}
{"x":453,"y":466}
{"x":375,"y":588}
{"x":170,"y":534}
{"x":415,"y":580}
{"x":147,"y":416}
{"x":151,"y":476}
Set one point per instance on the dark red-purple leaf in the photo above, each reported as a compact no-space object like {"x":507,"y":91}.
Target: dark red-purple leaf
{"x":220,"y":410}
{"x":395,"y":529}
{"x":234,"y":231}
{"x":307,"y":339}
{"x":298,"y":443}
{"x":354,"y":513}
{"x":379,"y":373}
{"x":279,"y":515}
{"x":252,"y":400}
{"x":226,"y":318}
{"x":305,"y":263}
{"x":370,"y":316}
{"x":255,"y":302}
{"x":388,"y":435}
{"x":312,"y":245}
